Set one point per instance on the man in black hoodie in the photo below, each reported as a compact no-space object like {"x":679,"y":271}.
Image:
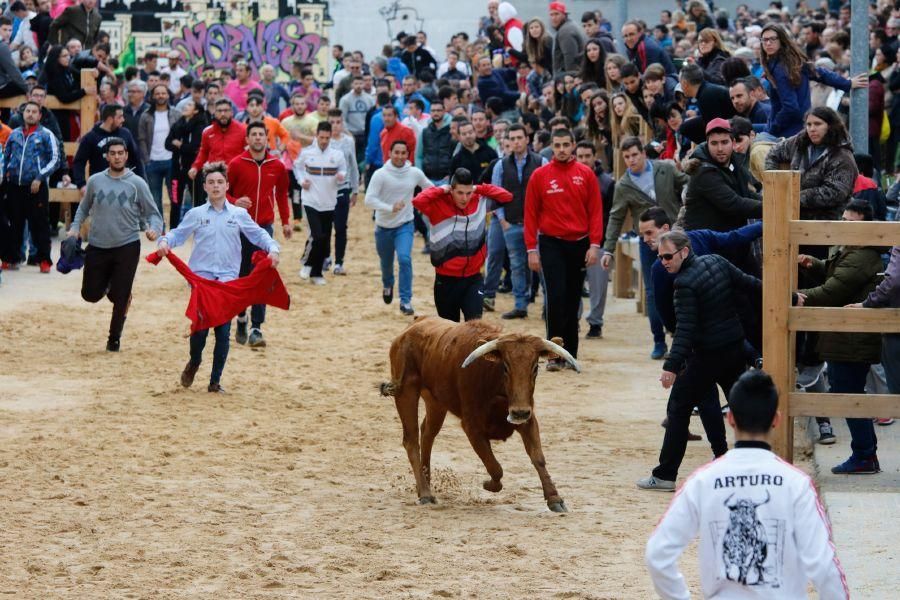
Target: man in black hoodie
{"x":92,"y":148}
{"x":472,"y":154}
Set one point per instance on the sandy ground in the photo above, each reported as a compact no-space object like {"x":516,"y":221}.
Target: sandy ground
{"x":116,"y":482}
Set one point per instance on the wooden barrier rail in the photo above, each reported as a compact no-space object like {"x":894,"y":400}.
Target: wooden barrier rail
{"x":783,"y":233}
{"x":87,"y":108}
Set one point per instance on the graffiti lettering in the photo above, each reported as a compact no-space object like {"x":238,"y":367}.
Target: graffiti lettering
{"x":278,"y":43}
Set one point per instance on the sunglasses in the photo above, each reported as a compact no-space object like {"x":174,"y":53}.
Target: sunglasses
{"x":666,"y":256}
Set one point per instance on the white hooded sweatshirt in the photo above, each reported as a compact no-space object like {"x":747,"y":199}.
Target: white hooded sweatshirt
{"x":390,"y":185}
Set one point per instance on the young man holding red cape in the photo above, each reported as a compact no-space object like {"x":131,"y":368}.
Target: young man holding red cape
{"x":217,"y":227}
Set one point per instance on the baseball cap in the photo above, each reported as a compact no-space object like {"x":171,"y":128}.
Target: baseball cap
{"x":558,"y":7}
{"x":718,"y":124}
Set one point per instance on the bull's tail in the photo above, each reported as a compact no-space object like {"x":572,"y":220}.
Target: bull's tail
{"x":388,"y":388}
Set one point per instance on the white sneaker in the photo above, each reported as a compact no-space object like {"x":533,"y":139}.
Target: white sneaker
{"x":339,"y":269}
{"x":326,"y":264}
{"x":305,"y":271}
{"x":318,"y":281}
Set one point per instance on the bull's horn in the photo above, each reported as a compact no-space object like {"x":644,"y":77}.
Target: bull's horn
{"x":560,"y":351}
{"x":768,"y":497}
{"x":480,"y":351}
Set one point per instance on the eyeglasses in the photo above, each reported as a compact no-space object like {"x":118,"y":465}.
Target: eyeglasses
{"x":769,"y":40}
{"x":666,"y":256}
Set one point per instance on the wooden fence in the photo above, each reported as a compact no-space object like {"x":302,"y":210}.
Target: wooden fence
{"x":783,"y":233}
{"x":87,"y":109}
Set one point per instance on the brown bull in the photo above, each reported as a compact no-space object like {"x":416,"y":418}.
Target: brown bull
{"x":484,"y":378}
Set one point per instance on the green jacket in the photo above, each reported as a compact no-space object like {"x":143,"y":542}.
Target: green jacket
{"x":850,"y":274}
{"x":668,"y":182}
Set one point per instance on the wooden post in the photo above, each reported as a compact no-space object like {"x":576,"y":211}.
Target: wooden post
{"x":781,"y":204}
{"x":88,"y":117}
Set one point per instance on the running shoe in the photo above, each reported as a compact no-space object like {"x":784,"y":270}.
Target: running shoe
{"x":339,"y":269}
{"x":256,"y":339}
{"x":488,"y":304}
{"x":187,"y":376}
{"x":215,"y":388}
{"x":659,"y":351}
{"x":826,"y":434}
{"x":407,"y":309}
{"x":387,"y":294}
{"x":884,"y":422}
{"x":595,"y":332}
{"x":46,"y":266}
{"x":240,"y":336}
{"x":305,"y":271}
{"x":318,"y":280}
{"x":858,"y":466}
{"x":654,"y":484}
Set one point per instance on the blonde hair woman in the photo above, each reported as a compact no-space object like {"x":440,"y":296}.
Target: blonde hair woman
{"x":712,"y":54}
{"x":614,"y":63}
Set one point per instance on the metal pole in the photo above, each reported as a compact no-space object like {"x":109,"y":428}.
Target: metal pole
{"x":621,"y":17}
{"x":859,"y":63}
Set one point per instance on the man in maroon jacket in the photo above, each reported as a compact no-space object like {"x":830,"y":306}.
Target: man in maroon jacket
{"x":221,"y":141}
{"x":257,"y":181}
{"x":561,"y":205}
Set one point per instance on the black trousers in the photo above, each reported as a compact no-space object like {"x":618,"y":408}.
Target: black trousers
{"x":562,"y":264}
{"x":110,"y":272}
{"x":695,"y":386}
{"x":319,"y":222}
{"x":453,"y":295}
{"x":22,"y":206}
{"x":341,"y":216}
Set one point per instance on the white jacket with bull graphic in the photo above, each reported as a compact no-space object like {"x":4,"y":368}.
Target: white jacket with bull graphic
{"x":763,"y":532}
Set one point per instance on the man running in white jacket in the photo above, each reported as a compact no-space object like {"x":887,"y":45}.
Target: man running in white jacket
{"x":390,"y":193}
{"x":763,"y":531}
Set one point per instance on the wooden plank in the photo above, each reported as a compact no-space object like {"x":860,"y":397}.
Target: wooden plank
{"x":88,"y":103}
{"x":871,"y":320}
{"x":848,"y":233}
{"x":622,"y":277}
{"x":781,"y":204}
{"x":65,"y":196}
{"x":861,"y":406}
{"x":71,"y":148}
{"x":51,"y":102}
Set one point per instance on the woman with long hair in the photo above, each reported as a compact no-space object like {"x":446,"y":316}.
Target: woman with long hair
{"x":698,"y":13}
{"x":713,"y":54}
{"x":824,"y":156}
{"x":538,"y":45}
{"x":60,"y":81}
{"x":625,"y":119}
{"x":612,"y":67}
{"x":789,"y":71}
{"x":599,"y":128}
{"x":593,"y":63}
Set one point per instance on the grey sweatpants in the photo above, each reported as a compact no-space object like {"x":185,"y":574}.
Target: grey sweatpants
{"x":598,"y":284}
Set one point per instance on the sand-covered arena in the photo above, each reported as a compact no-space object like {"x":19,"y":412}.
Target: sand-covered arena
{"x":116,"y":482}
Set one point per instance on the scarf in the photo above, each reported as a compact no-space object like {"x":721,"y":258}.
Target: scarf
{"x":215,"y":303}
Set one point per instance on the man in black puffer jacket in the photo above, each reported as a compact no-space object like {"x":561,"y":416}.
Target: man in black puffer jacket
{"x":707,"y":348}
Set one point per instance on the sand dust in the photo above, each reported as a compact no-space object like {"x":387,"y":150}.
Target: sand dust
{"x":116,"y":482}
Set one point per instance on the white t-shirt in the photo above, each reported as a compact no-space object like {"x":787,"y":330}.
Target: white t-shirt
{"x":160,"y":132}
{"x":320,"y":168}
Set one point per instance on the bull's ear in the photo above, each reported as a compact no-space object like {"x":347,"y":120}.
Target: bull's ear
{"x":492,"y":356}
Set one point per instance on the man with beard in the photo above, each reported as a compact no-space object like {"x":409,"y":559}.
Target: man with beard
{"x":92,"y":147}
{"x":258,"y":182}
{"x":153,"y":129}
{"x":222,"y":141}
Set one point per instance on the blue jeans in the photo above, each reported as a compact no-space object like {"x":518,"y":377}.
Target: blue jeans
{"x":514,"y":236}
{"x":399,"y":240}
{"x":159,"y":172}
{"x":850,"y":378}
{"x":220,"y":352}
{"x":496,"y":253}
{"x":656,"y":324}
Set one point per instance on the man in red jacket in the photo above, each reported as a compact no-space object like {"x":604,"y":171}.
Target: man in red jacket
{"x":257,"y":180}
{"x":395,"y":130}
{"x":221,"y":141}
{"x":457,"y":214}
{"x":561,"y":204}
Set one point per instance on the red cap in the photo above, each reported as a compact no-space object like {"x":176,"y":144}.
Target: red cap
{"x":558,"y":7}
{"x":719,"y":123}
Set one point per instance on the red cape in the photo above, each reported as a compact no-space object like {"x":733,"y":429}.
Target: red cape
{"x":214,"y":303}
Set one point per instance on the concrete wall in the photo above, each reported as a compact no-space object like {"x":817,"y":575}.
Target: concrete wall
{"x":368,"y":24}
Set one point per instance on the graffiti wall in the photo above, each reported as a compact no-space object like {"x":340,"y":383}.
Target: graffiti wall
{"x":211,"y":34}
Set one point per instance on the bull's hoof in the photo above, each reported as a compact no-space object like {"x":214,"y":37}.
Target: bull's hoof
{"x":558,"y":506}
{"x":492,"y":485}
{"x":427,"y":500}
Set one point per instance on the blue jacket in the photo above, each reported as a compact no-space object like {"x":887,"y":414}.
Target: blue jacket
{"x":32,"y":157}
{"x":402,"y":101}
{"x":373,"y":144}
{"x":789,"y":102}
{"x":496,"y":86}
{"x":703,"y":242}
{"x":396,"y":66}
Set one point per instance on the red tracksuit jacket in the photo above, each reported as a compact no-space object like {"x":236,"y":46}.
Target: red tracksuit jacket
{"x":217,"y":144}
{"x":264,"y":184}
{"x":563,"y":201}
{"x":458,"y":234}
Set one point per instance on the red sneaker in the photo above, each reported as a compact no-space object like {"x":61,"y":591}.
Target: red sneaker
{"x":46,"y":265}
{"x":7,"y":266}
